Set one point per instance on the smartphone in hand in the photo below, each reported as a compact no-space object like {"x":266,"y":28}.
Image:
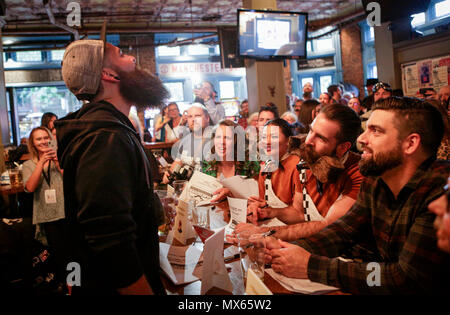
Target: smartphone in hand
{"x":52,"y":144}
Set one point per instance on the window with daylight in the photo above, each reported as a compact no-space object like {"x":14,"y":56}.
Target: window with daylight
{"x":29,"y":56}
{"x":324,"y":44}
{"x":372,"y":70}
{"x":198,"y":50}
{"x":56,"y":55}
{"x":437,"y":14}
{"x":227,"y":89}
{"x":166,"y":51}
{"x":442,"y":8}
{"x":325,"y":82}
{"x":176,"y":91}
{"x":418,"y":19}
{"x":32,"y":102}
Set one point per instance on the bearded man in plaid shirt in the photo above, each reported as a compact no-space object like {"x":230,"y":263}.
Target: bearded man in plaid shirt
{"x":388,"y":234}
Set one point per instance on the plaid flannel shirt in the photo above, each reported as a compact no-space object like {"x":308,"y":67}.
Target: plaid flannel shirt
{"x":396,"y":233}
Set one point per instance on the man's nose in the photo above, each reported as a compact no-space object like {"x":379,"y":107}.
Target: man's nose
{"x":308,"y":140}
{"x":361,"y":138}
{"x":132,"y":58}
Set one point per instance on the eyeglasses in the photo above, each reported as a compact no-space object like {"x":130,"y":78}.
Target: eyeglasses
{"x":381,"y":85}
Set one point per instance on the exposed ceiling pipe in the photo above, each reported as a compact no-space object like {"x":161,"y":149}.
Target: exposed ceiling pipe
{"x":60,"y":25}
{"x":341,"y":23}
{"x":36,"y":30}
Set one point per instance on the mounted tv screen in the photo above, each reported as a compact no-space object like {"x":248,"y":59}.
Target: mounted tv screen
{"x":272,"y":34}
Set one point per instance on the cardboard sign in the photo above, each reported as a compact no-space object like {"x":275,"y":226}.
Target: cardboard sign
{"x":181,"y":222}
{"x":255,"y":286}
{"x":214,"y":273}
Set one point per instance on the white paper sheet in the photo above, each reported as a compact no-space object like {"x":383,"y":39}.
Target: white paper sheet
{"x":238,"y":213}
{"x":303,"y":286}
{"x":180,"y":262}
{"x":241,"y":187}
{"x":201,"y":188}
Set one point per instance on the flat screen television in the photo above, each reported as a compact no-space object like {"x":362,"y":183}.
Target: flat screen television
{"x":269,"y":35}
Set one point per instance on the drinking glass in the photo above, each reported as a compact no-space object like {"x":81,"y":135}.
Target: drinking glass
{"x":251,"y":250}
{"x":178,"y":187}
{"x":15,"y":177}
{"x":200,"y":216}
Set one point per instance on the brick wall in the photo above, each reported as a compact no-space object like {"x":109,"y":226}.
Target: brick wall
{"x":141,"y":47}
{"x":351,"y":52}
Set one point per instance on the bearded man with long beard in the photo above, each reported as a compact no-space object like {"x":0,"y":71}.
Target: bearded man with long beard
{"x":326,"y":183}
{"x":390,"y":218}
{"x":112,"y":219}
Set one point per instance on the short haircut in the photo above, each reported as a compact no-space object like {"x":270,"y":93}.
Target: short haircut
{"x":327,"y":94}
{"x":332,"y":88}
{"x":414,"y":115}
{"x":371,"y":81}
{"x":272,"y":109}
{"x":346,"y":118}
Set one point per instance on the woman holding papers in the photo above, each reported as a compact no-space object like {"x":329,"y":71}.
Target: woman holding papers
{"x":276,"y":180}
{"x":229,"y":156}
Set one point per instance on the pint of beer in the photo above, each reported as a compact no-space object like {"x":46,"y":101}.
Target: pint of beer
{"x":15,"y":177}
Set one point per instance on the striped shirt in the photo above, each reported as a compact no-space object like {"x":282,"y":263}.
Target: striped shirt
{"x":396,"y":233}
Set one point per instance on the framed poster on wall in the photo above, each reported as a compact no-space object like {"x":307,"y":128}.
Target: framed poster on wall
{"x":429,"y":73}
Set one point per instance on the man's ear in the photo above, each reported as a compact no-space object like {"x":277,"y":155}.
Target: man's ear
{"x":110,"y":75}
{"x":412,"y":143}
{"x":342,"y":148}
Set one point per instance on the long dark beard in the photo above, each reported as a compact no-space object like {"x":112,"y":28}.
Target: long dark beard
{"x":326,"y":168}
{"x":308,"y":154}
{"x":142,"y":88}
{"x":380,"y":163}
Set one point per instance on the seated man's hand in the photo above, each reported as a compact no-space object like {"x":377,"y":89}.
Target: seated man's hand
{"x":271,"y":243}
{"x":221,"y":194}
{"x":290,"y":260}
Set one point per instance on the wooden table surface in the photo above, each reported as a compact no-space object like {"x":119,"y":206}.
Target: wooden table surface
{"x":234,"y":268}
{"x":157,"y":145}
